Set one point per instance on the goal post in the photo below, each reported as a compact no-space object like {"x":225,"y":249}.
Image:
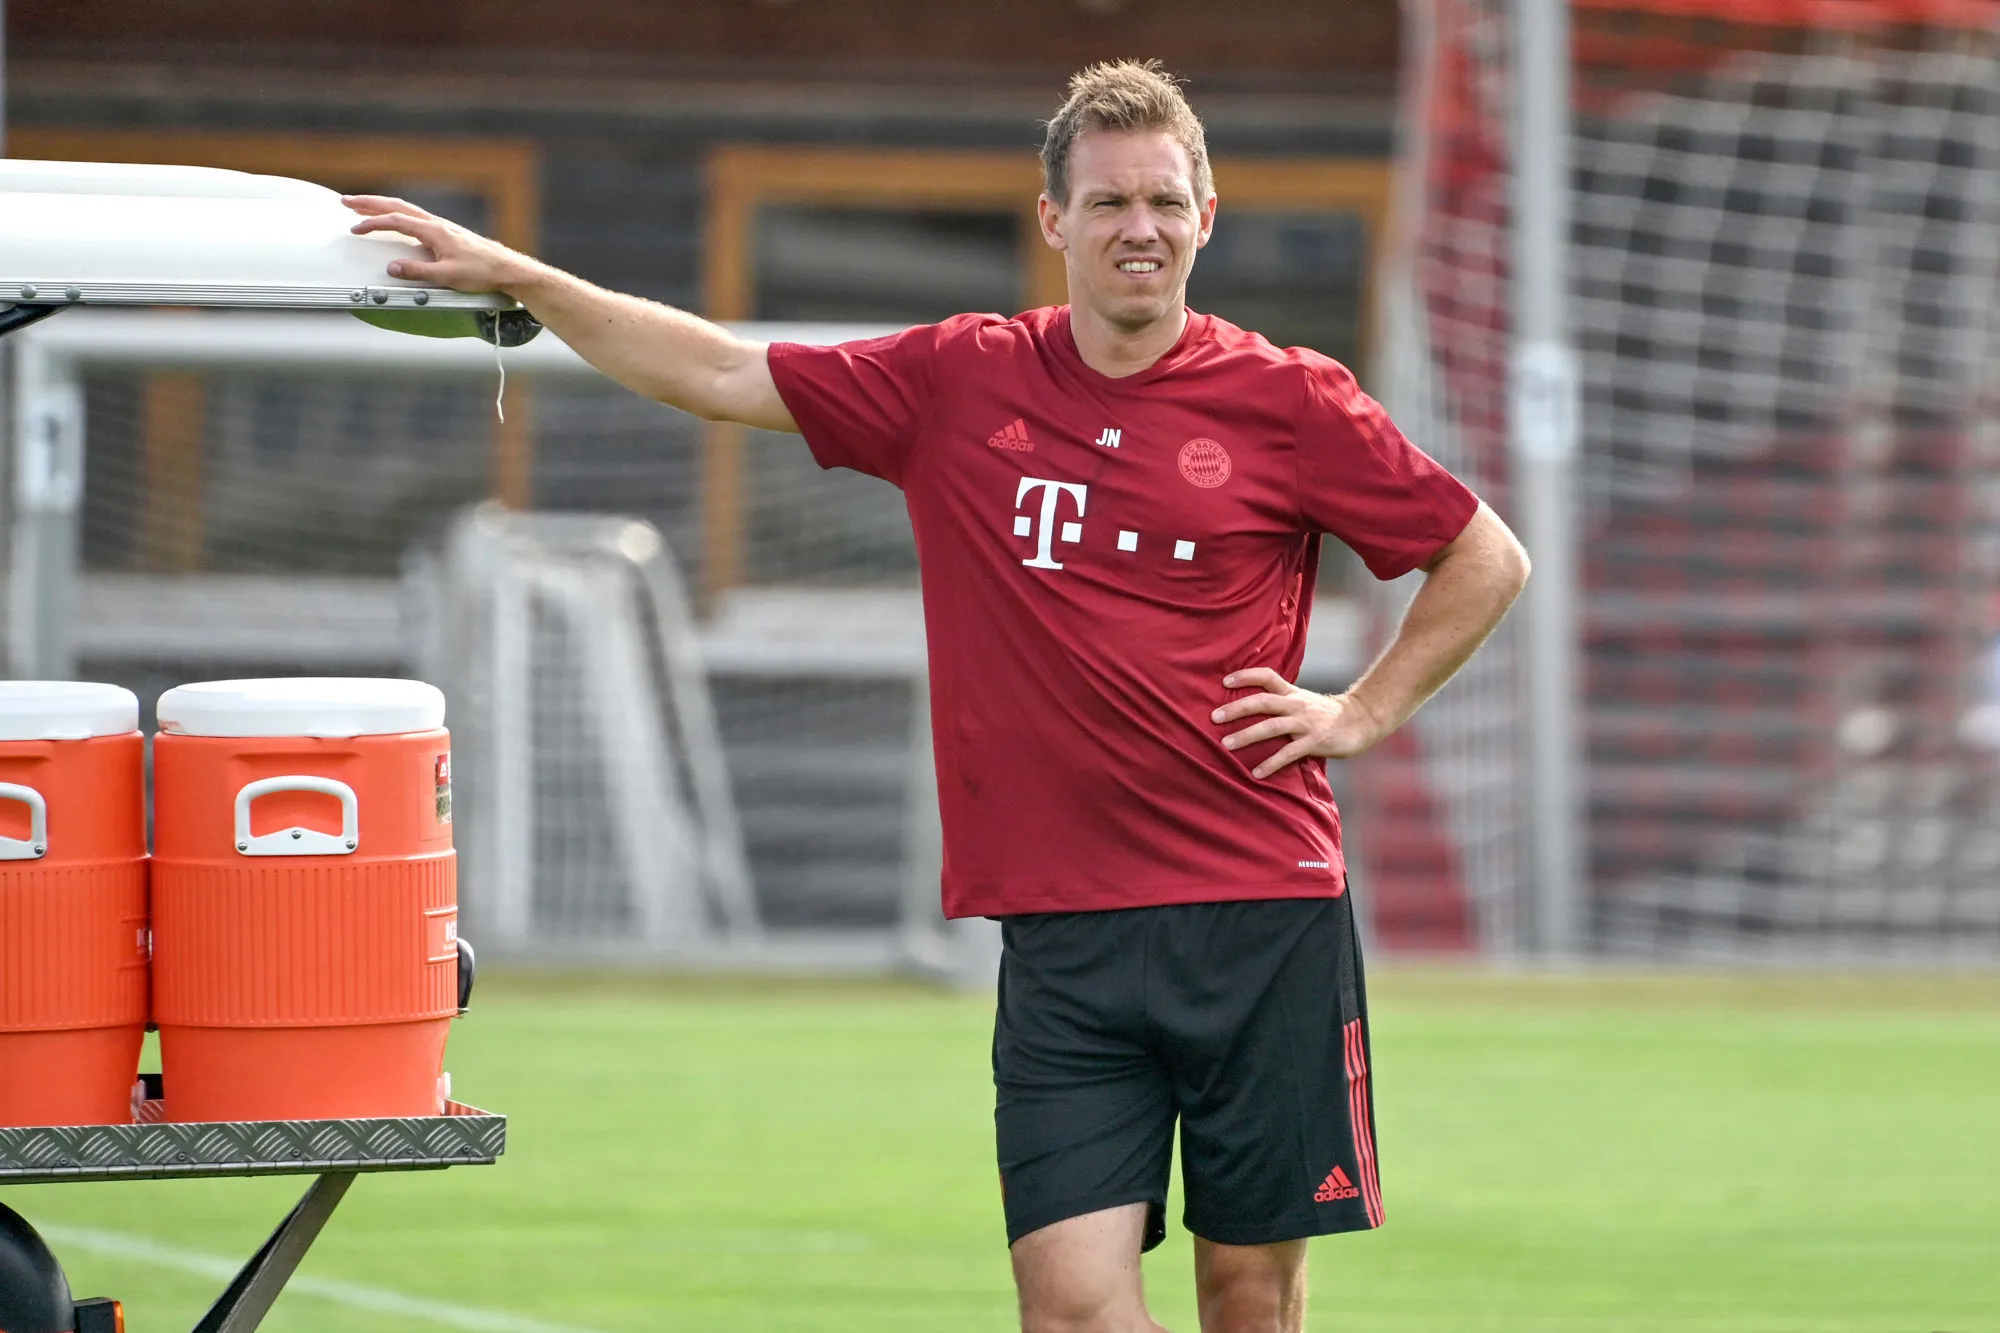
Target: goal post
{"x":1542,"y":425}
{"x":569,"y":635}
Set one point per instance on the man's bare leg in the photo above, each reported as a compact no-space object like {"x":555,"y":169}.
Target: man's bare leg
{"x":1251,"y":1288}
{"x":1081,"y":1275}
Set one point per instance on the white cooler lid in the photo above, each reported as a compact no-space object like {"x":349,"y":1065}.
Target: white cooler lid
{"x":65,"y":710}
{"x":301,"y":706}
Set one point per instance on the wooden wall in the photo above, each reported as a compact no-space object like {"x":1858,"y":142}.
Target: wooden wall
{"x":1267,"y":43}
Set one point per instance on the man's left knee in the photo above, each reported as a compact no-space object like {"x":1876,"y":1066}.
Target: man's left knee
{"x":1251,"y":1288}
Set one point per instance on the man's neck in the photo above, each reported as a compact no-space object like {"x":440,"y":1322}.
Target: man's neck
{"x":1115,"y":352}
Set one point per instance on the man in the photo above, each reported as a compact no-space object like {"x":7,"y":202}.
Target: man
{"x":1118,"y":507}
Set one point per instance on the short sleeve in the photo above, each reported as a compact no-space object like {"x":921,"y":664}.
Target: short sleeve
{"x":860,"y":404}
{"x":1363,"y":482}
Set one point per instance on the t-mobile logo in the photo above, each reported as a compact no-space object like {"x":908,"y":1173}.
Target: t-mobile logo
{"x":1044,"y":532}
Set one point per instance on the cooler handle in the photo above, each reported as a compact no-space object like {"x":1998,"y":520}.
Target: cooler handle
{"x":36,"y":844}
{"x":299,"y":841}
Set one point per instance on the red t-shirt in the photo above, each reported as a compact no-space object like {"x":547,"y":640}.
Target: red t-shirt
{"x":1096,"y":555}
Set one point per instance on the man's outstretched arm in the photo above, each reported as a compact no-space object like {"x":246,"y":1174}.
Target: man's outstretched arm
{"x":1467,"y":587}
{"x":663,"y":353}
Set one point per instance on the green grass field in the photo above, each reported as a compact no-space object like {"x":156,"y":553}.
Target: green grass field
{"x":1636,"y":1153}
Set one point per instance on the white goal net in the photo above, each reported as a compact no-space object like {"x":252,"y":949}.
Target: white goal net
{"x":1785,"y":264}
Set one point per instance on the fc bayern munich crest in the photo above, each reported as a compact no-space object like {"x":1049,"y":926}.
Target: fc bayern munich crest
{"x":1205,"y":463}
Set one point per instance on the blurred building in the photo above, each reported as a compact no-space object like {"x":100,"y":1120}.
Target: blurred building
{"x":787,"y":160}
{"x":610,"y":135}
{"x":863,"y":160}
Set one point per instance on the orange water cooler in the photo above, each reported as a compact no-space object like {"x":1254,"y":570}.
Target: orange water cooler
{"x":72,"y":902}
{"x":305,"y":911}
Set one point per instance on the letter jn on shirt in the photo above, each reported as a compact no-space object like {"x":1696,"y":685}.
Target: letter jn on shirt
{"x":1045,"y":530}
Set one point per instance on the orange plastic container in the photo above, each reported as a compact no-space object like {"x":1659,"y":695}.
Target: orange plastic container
{"x":72,"y":902}
{"x":305,"y":909}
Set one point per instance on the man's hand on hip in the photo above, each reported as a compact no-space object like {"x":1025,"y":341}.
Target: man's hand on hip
{"x":1322,"y":726}
{"x":1468,"y":585}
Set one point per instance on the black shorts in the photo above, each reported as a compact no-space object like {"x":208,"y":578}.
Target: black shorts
{"x":1246,"y":1022}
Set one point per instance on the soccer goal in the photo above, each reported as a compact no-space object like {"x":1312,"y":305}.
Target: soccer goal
{"x":230,"y":494}
{"x":1785,"y":272}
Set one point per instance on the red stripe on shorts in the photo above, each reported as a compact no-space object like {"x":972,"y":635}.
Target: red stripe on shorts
{"x":1357,"y":1109}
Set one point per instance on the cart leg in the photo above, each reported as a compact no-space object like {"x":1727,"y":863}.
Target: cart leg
{"x":243,"y":1307}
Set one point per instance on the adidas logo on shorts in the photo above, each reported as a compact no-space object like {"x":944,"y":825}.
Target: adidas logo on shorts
{"x":1336,"y":1186}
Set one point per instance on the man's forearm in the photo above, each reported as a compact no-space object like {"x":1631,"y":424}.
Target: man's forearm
{"x":667,"y":354}
{"x":652,"y":349}
{"x":1463,"y":597}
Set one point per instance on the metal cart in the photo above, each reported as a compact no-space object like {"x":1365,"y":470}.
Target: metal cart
{"x":333,"y":1151}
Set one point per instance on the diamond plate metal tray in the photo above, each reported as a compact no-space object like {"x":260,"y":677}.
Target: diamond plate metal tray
{"x":462,"y":1136}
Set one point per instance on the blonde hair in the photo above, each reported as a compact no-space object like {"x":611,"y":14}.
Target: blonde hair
{"x":1123,"y":96}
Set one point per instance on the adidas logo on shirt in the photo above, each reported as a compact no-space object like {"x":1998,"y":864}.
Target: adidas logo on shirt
{"x":1336,"y":1186}
{"x":1014,"y":436}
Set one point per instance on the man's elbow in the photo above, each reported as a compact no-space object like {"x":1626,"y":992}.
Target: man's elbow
{"x":1488,"y":550}
{"x":1516,"y":565}
{"x":1502,"y":553}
